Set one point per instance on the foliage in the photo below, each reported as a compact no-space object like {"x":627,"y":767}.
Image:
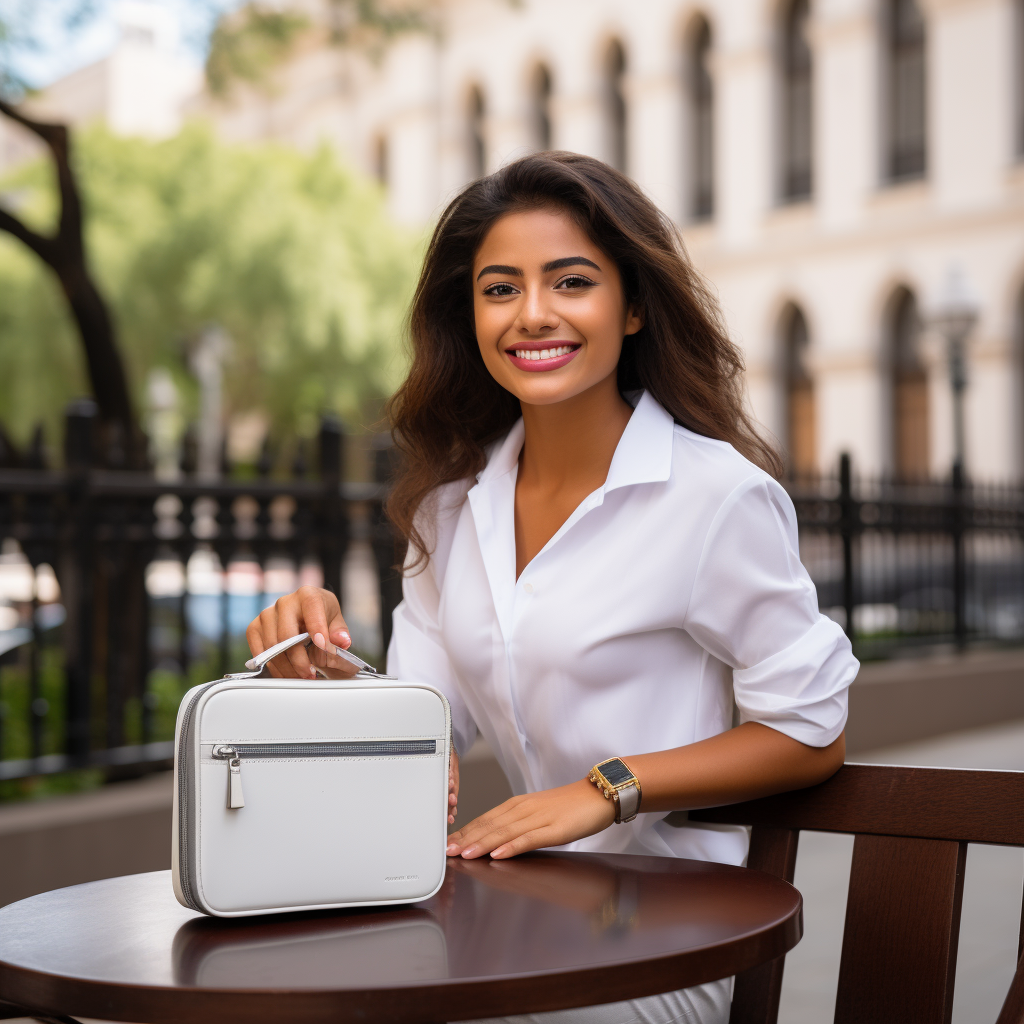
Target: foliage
{"x":245,"y":45}
{"x":367,"y":23}
{"x":23,"y":23}
{"x":292,"y":254}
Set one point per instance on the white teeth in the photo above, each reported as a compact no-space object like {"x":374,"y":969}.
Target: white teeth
{"x":543,"y":353}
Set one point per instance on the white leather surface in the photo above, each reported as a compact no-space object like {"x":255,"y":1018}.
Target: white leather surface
{"x":247,"y":714}
{"x":378,"y":955}
{"x":320,"y":831}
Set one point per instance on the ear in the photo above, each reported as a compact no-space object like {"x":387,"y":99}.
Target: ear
{"x":634,"y":320}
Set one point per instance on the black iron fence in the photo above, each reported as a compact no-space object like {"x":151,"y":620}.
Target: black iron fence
{"x":132,"y":589}
{"x":128,"y":589}
{"x":904,"y":565}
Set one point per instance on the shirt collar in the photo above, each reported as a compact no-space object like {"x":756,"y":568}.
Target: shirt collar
{"x":642,"y":456}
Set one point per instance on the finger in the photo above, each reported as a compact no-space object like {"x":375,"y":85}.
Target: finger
{"x":337,"y":630}
{"x":330,"y":664}
{"x":532,"y":840}
{"x":319,"y":608}
{"x":316,"y":607}
{"x":254,"y":639}
{"x":294,"y":661}
{"x":479,"y":826}
{"x":453,"y":773}
{"x":480,"y":831}
{"x":500,"y":837}
{"x":268,"y":635}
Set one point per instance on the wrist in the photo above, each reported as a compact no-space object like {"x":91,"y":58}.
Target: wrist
{"x":591,"y":796}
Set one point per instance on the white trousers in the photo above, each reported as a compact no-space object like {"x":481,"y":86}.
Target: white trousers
{"x":702,"y":1004}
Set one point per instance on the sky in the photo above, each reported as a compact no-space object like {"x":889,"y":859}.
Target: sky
{"x":59,"y":48}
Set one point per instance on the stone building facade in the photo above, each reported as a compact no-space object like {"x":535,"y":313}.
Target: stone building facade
{"x":830,"y":163}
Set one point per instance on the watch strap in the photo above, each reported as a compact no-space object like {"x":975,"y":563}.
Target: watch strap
{"x":627,"y":802}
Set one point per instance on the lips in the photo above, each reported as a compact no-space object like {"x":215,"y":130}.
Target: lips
{"x":536,"y":357}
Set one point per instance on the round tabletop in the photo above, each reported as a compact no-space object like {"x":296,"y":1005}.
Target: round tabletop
{"x":541,"y":932}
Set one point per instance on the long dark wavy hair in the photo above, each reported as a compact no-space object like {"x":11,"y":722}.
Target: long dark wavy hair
{"x":450,"y":408}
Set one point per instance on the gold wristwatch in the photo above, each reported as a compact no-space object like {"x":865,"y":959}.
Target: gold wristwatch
{"x":619,"y":784}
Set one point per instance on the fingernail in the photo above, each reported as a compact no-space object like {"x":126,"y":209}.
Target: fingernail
{"x":318,"y":639}
{"x":312,"y":673}
{"x":469,"y":851}
{"x":451,"y":849}
{"x":341,"y":638}
{"x":499,"y":852}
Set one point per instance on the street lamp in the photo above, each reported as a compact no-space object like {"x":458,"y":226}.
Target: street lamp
{"x":954,"y":317}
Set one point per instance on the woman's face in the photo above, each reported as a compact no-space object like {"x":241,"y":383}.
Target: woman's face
{"x":549,"y":307}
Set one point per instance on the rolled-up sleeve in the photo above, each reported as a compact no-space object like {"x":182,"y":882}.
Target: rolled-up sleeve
{"x":416,"y":653}
{"x":754,"y":607}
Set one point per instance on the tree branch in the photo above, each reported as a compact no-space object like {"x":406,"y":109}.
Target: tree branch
{"x":69,"y":231}
{"x":41,"y":246}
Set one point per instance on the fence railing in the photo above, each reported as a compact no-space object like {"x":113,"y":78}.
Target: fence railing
{"x":901,"y":565}
{"x":124,"y":590}
{"x":156,"y":582}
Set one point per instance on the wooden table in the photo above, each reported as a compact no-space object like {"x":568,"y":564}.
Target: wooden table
{"x":540,"y":932}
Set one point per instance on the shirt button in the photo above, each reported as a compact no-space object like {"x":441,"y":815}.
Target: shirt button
{"x":528,"y":587}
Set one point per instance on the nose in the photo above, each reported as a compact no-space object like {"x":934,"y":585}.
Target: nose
{"x":535,"y":314}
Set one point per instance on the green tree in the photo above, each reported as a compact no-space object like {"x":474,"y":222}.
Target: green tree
{"x":292,"y":254}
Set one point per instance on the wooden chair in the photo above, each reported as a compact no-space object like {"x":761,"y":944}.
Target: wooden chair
{"x":912,"y":827}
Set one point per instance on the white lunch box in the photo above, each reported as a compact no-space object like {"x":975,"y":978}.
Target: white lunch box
{"x":308,"y":794}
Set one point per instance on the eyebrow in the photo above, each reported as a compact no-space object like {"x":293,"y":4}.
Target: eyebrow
{"x":565,"y":261}
{"x":501,"y":268}
{"x":569,"y":261}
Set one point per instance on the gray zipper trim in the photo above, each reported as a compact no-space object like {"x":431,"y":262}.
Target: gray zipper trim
{"x":351,"y":748}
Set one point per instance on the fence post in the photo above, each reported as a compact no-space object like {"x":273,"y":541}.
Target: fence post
{"x":78,"y":577}
{"x":333,"y":527}
{"x":847,"y":513}
{"x":959,"y":562}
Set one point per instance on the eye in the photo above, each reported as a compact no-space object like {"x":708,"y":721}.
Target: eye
{"x":574,"y":282}
{"x":500,"y":290}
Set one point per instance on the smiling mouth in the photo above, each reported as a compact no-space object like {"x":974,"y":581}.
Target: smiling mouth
{"x":532,"y":357}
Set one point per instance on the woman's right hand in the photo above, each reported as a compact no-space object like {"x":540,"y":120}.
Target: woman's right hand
{"x":309,"y":610}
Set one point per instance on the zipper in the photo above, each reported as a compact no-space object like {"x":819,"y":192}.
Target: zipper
{"x":233,"y":754}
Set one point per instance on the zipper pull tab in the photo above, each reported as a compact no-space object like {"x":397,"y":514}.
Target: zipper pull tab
{"x":235,"y":797}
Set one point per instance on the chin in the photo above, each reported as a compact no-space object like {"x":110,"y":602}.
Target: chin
{"x":547,"y":393}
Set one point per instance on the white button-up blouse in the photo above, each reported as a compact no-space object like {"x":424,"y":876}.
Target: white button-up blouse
{"x":673,"y":594}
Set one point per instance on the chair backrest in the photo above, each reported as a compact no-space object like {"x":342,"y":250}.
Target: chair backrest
{"x":912,"y":827}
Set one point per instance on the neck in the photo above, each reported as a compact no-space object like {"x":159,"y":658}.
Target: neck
{"x":574,"y":439}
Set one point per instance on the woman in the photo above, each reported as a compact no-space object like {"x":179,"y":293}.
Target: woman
{"x":600,"y":564}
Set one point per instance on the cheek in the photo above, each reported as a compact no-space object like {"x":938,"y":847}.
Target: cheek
{"x":601,"y":323}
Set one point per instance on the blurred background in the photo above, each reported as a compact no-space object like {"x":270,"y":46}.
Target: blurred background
{"x":203,"y":287}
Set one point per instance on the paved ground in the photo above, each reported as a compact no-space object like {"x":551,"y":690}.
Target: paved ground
{"x":992,"y":894}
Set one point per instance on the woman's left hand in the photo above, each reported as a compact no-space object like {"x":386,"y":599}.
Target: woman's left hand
{"x":549,"y":818}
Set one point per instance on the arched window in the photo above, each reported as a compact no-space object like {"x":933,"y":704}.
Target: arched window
{"x":541,"y":107}
{"x":797,"y":114}
{"x":909,"y":388}
{"x":380,"y":159}
{"x":615,"y":105}
{"x":905,"y":38}
{"x":798,"y":395}
{"x":702,"y":121}
{"x":477,"y":142}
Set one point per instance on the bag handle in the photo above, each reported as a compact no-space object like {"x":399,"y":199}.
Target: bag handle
{"x":258,"y":663}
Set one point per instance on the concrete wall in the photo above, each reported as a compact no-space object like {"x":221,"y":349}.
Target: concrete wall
{"x":126,"y":827}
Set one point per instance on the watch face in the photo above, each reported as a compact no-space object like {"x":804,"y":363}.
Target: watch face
{"x":616,"y":772}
